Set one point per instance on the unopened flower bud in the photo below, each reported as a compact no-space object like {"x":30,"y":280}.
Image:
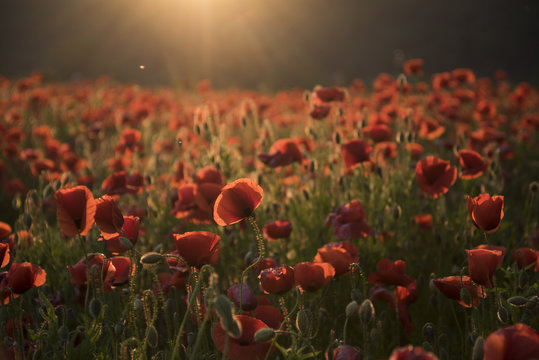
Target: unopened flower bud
{"x":366,"y":311}
{"x":264,"y":335}
{"x":352,"y":309}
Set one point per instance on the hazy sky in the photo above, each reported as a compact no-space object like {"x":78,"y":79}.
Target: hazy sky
{"x":275,"y":43}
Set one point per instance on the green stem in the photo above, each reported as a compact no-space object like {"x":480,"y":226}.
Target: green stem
{"x":261,"y":253}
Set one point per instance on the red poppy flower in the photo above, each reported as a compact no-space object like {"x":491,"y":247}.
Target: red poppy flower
{"x":198,"y":247}
{"x":130,"y":230}
{"x":237,"y":201}
{"x":482,"y":264}
{"x":209,"y":174}
{"x":167,"y":280}
{"x":269,"y":314}
{"x":390,"y":273}
{"x":355,"y":152}
{"x":116,"y":184}
{"x":349,"y":221}
{"x":108,"y":216}
{"x":435,"y":176}
{"x":20,"y":278}
{"x":244,"y":347}
{"x":249,"y":301}
{"x":283,"y":152}
{"x":185,"y":200}
{"x":412,"y":353}
{"x":424,"y":221}
{"x":122,"y":264}
{"x":5,"y":229}
{"x":320,"y":112}
{"x":525,"y":257}
{"x":486,"y":211}
{"x":472,"y":163}
{"x":329,"y":94}
{"x":339,"y":254}
{"x":430,"y":129}
{"x":206,"y":194}
{"x":515,"y":342}
{"x":279,"y":229}
{"x":75,"y":210}
{"x":277,"y":280}
{"x":413,"y":67}
{"x":377,"y":132}
{"x":4,"y":255}
{"x":265,"y":263}
{"x":451,"y":287}
{"x":346,"y":352}
{"x":97,"y":265}
{"x":312,"y":276}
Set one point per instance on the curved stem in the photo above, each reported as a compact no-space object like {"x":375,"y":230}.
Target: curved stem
{"x":261,"y":253}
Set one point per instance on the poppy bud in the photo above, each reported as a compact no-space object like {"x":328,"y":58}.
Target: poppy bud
{"x":223,"y":307}
{"x":312,"y":166}
{"x":118,"y":328}
{"x":138,"y":304}
{"x":517,"y":301}
{"x":477,"y":352}
{"x":95,"y":307}
{"x":366,"y":311}
{"x":503,"y":315}
{"x":356,"y":295}
{"x":352,"y":309}
{"x":264,"y":335}
{"x":126,"y":243}
{"x":523,"y":279}
{"x":197,"y":129}
{"x":397,"y":211}
{"x":304,"y":322}
{"x":428,"y":332}
{"x":400,"y":137}
{"x":337,"y":137}
{"x":27,"y":220}
{"x":244,"y":121}
{"x":306,"y":194}
{"x":151,"y":258}
{"x":151,"y":336}
{"x":534,"y":186}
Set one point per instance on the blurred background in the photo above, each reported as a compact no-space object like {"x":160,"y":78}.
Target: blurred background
{"x":264,"y":44}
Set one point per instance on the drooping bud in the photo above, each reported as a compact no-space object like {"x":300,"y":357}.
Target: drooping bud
{"x":264,"y":335}
{"x":151,"y":258}
{"x":352,"y":309}
{"x":366,"y":311}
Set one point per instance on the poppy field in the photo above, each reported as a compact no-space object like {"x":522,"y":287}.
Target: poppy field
{"x":393,"y":220}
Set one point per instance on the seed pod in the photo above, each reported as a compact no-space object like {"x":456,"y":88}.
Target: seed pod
{"x":366,"y":311}
{"x":517,"y":301}
{"x":477,"y":352}
{"x":351,"y":309}
{"x":151,"y":258}
{"x":264,"y":335}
